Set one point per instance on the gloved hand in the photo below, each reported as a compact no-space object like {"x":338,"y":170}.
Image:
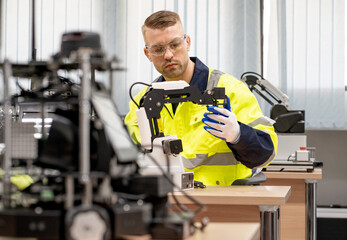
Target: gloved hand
{"x":222,"y":123}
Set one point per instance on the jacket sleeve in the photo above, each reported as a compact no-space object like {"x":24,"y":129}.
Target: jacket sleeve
{"x":255,"y":147}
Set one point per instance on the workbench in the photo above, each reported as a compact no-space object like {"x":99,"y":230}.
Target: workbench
{"x":241,"y":204}
{"x":298,"y":215}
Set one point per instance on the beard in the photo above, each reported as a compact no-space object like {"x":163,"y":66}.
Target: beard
{"x":173,"y":69}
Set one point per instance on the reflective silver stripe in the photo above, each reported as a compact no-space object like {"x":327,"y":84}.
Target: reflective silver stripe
{"x":214,"y":79}
{"x":269,"y":160}
{"x":216,"y":159}
{"x":156,"y":80}
{"x":256,"y":170}
{"x":266,"y":121}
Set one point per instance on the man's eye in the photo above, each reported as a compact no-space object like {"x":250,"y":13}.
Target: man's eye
{"x":174,"y":45}
{"x":158,"y":49}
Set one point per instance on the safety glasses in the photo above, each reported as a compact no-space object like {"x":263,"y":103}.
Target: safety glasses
{"x":174,"y":46}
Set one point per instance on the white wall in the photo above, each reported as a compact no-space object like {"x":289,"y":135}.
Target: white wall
{"x":225,"y":33}
{"x":331,"y":150}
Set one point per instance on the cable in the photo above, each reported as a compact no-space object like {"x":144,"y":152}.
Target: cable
{"x":254,"y":73}
{"x":131,"y":87}
{"x":168,"y":111}
{"x":24,"y":92}
{"x":60,"y":89}
{"x":291,"y":156}
{"x":180,"y":205}
{"x":138,"y":106}
{"x":20,"y":87}
{"x":66,"y":80}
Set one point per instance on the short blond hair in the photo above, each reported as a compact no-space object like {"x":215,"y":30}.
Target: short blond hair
{"x":160,"y":20}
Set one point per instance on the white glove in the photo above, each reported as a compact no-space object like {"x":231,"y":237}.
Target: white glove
{"x":222,"y":123}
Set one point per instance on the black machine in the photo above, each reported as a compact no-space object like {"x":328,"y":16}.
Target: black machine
{"x":287,"y":120}
{"x":85,"y":180}
{"x":176,"y":92}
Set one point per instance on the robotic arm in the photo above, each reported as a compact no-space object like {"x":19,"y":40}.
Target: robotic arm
{"x":287,"y":120}
{"x":166,"y":149}
{"x":169,"y":92}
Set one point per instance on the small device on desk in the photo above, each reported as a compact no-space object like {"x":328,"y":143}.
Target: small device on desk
{"x":293,"y":155}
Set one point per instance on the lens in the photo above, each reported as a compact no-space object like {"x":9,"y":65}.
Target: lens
{"x":174,"y":46}
{"x":159,"y":50}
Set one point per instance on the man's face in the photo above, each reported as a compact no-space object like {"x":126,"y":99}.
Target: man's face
{"x":168,"y":50}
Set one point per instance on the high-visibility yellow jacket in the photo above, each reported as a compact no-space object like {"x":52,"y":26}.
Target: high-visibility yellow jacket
{"x":214,"y":161}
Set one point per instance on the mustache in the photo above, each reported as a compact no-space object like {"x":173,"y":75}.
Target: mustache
{"x":170,"y":62}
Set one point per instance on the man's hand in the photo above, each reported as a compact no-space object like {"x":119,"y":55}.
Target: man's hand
{"x":222,"y":123}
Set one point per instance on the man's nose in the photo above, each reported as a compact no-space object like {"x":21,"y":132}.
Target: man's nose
{"x":168,"y":53}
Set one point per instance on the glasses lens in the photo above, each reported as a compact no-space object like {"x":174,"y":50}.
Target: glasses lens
{"x":174,"y":46}
{"x":157,"y":50}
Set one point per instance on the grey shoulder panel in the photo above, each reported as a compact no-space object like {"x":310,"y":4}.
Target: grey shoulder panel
{"x":214,"y":79}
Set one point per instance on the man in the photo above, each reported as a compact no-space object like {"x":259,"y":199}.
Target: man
{"x":219,"y":145}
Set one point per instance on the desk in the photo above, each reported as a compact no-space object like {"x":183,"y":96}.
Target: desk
{"x":242,"y":204}
{"x":239,"y":231}
{"x":298,"y":216}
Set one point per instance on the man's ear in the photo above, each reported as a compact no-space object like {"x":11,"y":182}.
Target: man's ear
{"x":188,"y":43}
{"x":145,"y":50}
